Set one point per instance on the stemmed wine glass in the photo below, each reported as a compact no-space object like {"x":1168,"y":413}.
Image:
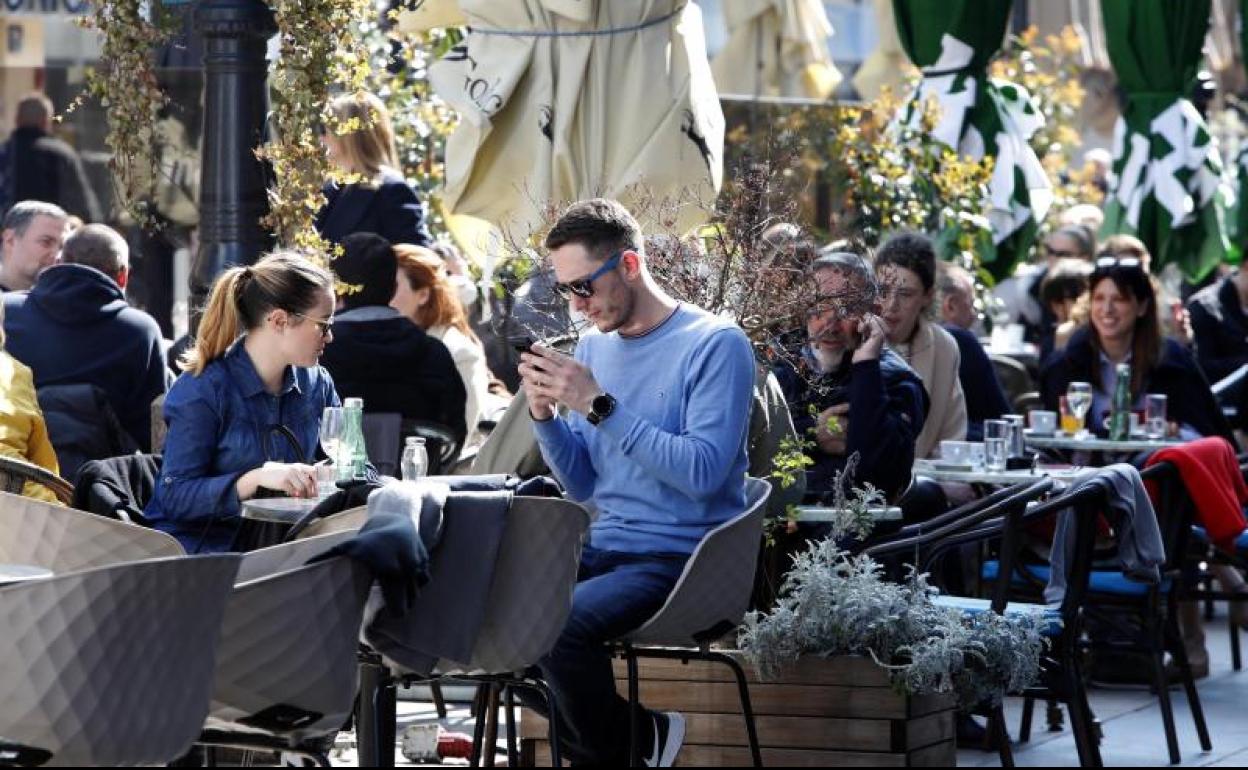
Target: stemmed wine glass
{"x":1079,"y":401}
{"x":332,"y":426}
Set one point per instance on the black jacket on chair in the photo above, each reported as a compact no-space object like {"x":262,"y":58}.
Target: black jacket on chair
{"x":382,"y":357}
{"x":390,"y":209}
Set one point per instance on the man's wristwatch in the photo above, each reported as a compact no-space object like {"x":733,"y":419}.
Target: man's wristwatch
{"x":600,"y":408}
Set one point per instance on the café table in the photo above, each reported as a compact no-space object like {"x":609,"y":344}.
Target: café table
{"x":825,"y":513}
{"x":978,"y":475}
{"x":1092,"y":443}
{"x":265,"y":521}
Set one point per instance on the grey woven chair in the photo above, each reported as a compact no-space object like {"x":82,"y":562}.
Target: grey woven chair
{"x":64,"y":539}
{"x":708,"y":601}
{"x":14,"y":474}
{"x":527,"y":606}
{"x":110,"y":666}
{"x":286,"y":667}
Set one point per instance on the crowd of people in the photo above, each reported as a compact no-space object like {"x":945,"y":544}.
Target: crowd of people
{"x":649,"y":418}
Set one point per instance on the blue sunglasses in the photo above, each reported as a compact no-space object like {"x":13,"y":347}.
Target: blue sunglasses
{"x":584,"y":287}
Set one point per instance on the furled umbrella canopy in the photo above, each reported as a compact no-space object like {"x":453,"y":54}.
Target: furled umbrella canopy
{"x":561,"y":100}
{"x":1167,"y":173}
{"x":952,"y":43}
{"x":777,"y":48}
{"x":886,"y":66}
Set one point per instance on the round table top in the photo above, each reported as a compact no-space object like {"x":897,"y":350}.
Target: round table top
{"x":16,"y":573}
{"x":935,"y":471}
{"x":280,"y":510}
{"x":816,"y":513}
{"x":1092,"y":443}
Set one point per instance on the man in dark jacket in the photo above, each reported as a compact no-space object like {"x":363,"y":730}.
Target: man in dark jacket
{"x":38,"y":166}
{"x":380,"y":355}
{"x":75,"y":327}
{"x":878,"y":402}
{"x":985,"y":398}
{"x":1220,"y":326}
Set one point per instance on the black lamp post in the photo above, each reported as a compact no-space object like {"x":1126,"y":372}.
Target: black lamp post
{"x":232,"y":178}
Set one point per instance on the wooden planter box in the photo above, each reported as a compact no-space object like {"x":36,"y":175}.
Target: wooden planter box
{"x":818,"y":713}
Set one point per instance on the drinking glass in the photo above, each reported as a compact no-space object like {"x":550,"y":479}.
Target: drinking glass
{"x":1155,"y":415}
{"x":333,"y":424}
{"x":996,"y":444}
{"x":1079,"y":401}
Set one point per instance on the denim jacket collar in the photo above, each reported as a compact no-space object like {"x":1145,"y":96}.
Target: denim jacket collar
{"x":243,"y":372}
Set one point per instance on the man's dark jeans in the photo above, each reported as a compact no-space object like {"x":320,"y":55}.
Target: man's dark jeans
{"x":615,"y":593}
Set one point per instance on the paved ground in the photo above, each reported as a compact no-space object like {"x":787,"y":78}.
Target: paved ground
{"x":1130,"y":719}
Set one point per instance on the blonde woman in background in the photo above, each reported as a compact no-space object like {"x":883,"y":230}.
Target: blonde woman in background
{"x":377,"y":199}
{"x":425,"y":295}
{"x":23,"y":433}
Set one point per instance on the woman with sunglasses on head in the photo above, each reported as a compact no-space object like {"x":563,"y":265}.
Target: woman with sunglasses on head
{"x":246,"y":413}
{"x":1123,"y":326}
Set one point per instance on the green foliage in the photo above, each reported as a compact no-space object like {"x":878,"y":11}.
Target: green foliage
{"x":125,"y":85}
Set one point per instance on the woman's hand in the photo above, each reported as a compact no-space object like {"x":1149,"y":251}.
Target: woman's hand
{"x":294,"y":479}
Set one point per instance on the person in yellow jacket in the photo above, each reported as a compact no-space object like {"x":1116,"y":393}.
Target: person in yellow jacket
{"x":23,"y":433}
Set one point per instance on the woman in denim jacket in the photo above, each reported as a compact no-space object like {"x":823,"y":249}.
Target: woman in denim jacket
{"x":246,"y":413}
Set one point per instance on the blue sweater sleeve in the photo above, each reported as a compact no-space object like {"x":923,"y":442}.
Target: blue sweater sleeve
{"x":567,"y":455}
{"x":720,"y":385}
{"x":190,"y":489}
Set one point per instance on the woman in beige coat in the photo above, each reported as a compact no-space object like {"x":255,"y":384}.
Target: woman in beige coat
{"x":906,"y":269}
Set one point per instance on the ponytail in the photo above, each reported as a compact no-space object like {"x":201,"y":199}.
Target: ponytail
{"x":243,"y":296}
{"x":219,"y":326}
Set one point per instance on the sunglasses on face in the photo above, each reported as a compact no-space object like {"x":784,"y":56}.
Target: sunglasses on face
{"x":326,"y":325}
{"x":584,"y":287}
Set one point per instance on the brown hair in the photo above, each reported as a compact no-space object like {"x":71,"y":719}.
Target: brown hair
{"x":1146,"y":339}
{"x":243,"y":296}
{"x":426,"y":270}
{"x":601,"y":226}
{"x":367,"y":141}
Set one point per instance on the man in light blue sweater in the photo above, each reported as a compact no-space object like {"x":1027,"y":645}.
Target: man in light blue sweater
{"x":659,"y":405}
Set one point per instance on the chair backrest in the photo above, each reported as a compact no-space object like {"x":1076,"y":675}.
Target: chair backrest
{"x":1013,"y":375}
{"x":82,"y":425}
{"x":286,"y":660}
{"x":442,"y":444}
{"x":113,"y":666}
{"x":714,"y":589}
{"x":530,"y":594}
{"x":1176,"y":512}
{"x":349,"y":520}
{"x":263,"y":562}
{"x":383,"y":439}
{"x":14,"y":474}
{"x":63,"y":539}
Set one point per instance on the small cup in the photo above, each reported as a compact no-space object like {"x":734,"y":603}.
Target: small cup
{"x":976,"y":453}
{"x":1042,"y":422}
{"x":326,"y":480}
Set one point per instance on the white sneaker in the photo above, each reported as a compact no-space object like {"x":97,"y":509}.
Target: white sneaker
{"x":669,"y":735}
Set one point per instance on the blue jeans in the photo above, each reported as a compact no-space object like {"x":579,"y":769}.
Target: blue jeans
{"x":615,"y":593}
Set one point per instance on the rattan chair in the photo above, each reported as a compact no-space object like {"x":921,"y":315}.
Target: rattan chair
{"x":14,"y":474}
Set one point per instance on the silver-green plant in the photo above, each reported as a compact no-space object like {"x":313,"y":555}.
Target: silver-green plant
{"x":834,"y":603}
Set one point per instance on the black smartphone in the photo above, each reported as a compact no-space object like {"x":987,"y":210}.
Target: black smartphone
{"x":521,"y":343}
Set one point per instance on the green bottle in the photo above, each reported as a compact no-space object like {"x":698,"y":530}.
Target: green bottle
{"x":354,"y":455}
{"x":1120,"y":414}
